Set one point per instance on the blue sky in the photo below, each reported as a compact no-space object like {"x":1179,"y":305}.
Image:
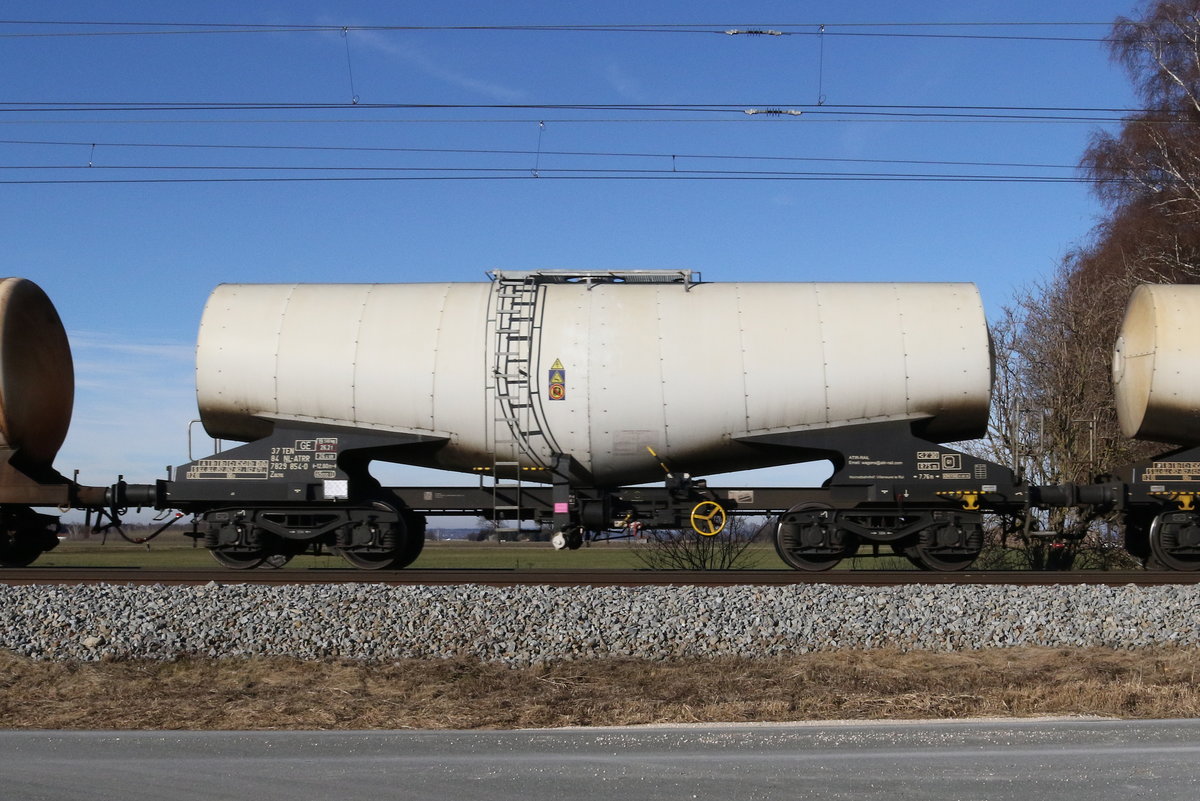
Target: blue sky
{"x":129,"y":265}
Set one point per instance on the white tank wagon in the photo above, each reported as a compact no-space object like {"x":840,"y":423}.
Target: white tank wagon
{"x":1156,"y":384}
{"x":609,"y":369}
{"x":37,"y":394}
{"x":1156,"y":374}
{"x":37,"y":390}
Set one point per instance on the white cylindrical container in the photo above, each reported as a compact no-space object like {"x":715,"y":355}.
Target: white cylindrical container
{"x":1156,"y":378}
{"x":520,"y":369}
{"x":37,"y":375}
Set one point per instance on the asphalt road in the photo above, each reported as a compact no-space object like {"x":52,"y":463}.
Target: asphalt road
{"x":995,"y":760}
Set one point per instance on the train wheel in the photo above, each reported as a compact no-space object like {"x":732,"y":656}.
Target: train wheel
{"x":947,"y":547}
{"x":807,"y":538}
{"x":1175,"y":540}
{"x":939,"y":562}
{"x":414,"y":542}
{"x":371,"y":561}
{"x":19,"y":556}
{"x":393,"y":546}
{"x":240,"y":560}
{"x":25,"y":535}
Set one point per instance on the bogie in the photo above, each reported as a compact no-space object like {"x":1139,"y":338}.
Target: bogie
{"x":807,"y":537}
{"x":374,"y":536}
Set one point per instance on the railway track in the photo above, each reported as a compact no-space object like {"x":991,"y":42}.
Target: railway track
{"x":567,"y":578}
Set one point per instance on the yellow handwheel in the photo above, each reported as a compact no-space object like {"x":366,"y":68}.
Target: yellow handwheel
{"x":708,"y":518}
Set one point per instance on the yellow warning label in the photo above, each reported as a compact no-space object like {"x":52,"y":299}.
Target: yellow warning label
{"x":558,"y":381}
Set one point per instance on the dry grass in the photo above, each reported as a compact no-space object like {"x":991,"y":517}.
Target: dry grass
{"x":290,"y":694}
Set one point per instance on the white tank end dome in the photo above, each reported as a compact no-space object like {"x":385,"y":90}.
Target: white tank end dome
{"x":37,"y":376}
{"x":1155,"y":369}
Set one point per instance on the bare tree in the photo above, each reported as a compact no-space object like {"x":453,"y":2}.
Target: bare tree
{"x":674,"y":549}
{"x":1154,"y":160}
{"x":1148,"y":172}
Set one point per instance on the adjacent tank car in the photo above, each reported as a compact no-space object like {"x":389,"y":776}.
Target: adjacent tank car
{"x":1157,"y":391}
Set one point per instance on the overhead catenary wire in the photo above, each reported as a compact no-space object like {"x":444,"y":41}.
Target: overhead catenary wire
{"x":743,"y":120}
{"x":853,"y":29}
{"x":509,"y":173}
{"x":896,"y":112}
{"x":579,"y":171}
{"x":519,"y":152}
{"x":725,"y":107}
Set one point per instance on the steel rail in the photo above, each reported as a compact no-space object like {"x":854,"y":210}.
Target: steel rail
{"x":575,"y":578}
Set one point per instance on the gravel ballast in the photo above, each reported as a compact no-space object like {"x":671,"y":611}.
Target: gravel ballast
{"x":523,"y":626}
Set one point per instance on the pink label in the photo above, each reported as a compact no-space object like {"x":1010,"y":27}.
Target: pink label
{"x":562,"y":508}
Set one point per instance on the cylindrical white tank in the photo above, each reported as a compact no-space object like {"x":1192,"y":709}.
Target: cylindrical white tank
{"x":1156,"y":376}
{"x":37,"y":376}
{"x":521,"y":368}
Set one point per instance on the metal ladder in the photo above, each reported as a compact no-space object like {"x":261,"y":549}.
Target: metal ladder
{"x":517,"y":429}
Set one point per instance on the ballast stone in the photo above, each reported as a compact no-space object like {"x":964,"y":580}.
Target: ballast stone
{"x":536,"y":625}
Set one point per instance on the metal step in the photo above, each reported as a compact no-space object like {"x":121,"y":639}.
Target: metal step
{"x":533,"y":432}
